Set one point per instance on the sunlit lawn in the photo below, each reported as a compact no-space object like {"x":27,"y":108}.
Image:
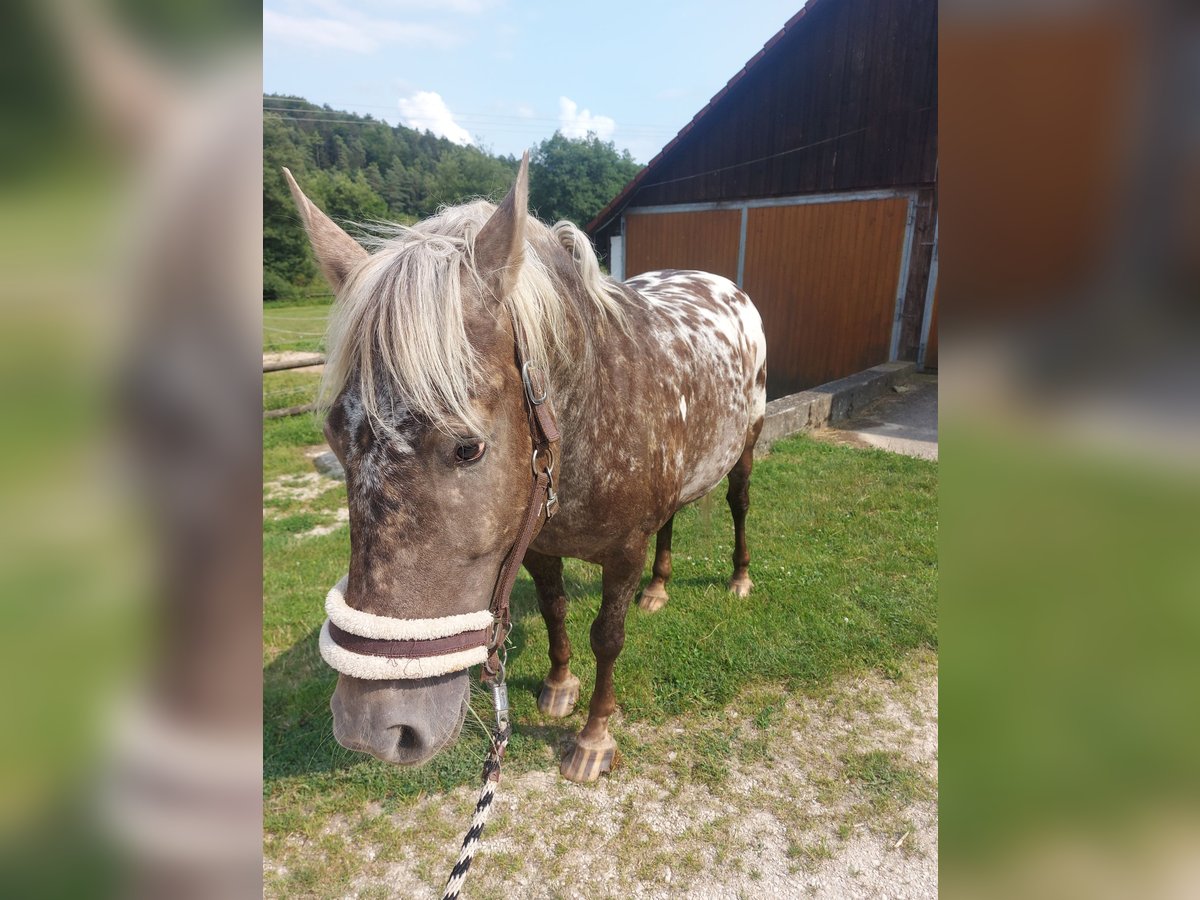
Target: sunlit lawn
{"x":295,"y":326}
{"x":844,"y":545}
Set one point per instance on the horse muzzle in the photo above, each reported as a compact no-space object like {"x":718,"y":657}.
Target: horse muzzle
{"x":404,"y":722}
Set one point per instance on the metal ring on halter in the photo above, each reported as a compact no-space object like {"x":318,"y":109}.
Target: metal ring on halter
{"x":549,"y":461}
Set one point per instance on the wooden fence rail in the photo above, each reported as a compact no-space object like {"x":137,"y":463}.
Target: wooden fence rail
{"x":300,"y":362}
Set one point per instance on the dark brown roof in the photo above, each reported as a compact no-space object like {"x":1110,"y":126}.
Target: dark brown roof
{"x":626,"y":194}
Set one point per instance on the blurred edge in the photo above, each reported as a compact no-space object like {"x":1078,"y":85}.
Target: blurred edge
{"x":1070,"y":587}
{"x":131,"y":307}
{"x":130,"y":547}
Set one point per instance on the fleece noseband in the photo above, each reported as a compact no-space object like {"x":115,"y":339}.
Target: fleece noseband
{"x":368,"y":646}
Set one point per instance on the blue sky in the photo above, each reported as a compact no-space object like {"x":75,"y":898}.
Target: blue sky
{"x":506,"y":75}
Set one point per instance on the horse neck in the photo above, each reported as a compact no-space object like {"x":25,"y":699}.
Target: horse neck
{"x":571,"y":374}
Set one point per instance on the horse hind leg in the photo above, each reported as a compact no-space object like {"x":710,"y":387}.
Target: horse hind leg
{"x":739,"y":502}
{"x":560,"y":690}
{"x":654,"y":597}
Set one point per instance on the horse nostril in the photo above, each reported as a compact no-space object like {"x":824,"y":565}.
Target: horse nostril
{"x":407,"y":738}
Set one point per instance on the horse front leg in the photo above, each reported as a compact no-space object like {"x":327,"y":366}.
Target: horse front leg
{"x":560,"y":690}
{"x":595,"y":750}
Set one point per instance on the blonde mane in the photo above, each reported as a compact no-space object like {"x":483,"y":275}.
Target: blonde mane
{"x":401,"y":316}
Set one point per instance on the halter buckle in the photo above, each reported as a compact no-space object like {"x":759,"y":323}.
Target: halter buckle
{"x":530,"y":391}
{"x":495,"y":642}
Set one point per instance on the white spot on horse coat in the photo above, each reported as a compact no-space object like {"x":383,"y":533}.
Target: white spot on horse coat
{"x":711,"y":340}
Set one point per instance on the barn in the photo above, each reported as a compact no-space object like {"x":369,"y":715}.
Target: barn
{"x":810,"y":179}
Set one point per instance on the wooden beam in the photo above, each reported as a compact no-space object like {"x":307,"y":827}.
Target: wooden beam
{"x":302,"y":362}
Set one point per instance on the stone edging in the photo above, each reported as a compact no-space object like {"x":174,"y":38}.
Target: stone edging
{"x":828,"y":403}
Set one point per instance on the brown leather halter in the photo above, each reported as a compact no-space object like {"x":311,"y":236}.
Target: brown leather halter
{"x":543,"y":430}
{"x":540,"y":508}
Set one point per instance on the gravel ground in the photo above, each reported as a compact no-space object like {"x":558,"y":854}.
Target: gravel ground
{"x":797,"y":822}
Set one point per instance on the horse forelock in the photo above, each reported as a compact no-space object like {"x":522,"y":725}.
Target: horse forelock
{"x":400,"y":323}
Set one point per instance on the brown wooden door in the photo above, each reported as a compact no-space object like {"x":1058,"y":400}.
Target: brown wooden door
{"x":707,"y":241}
{"x":824,"y":277}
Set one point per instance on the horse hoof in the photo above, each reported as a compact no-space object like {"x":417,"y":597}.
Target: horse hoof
{"x":653,"y":598}
{"x":587,"y":760}
{"x":741,"y":585}
{"x":558,"y":700}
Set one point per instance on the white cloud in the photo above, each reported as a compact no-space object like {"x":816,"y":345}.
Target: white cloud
{"x":312,"y":31}
{"x":330,"y":24}
{"x":525,"y":111}
{"x":427,"y":111}
{"x":576,"y":123}
{"x":466,"y":7}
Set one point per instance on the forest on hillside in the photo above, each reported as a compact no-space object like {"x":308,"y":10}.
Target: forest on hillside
{"x":359,"y":169}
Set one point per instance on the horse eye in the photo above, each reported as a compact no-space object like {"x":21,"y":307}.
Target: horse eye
{"x":470,"y":452}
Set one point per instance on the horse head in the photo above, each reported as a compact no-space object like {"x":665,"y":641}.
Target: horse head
{"x":426,"y":409}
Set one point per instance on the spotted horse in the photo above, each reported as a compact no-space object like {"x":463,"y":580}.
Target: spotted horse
{"x":495,"y":399}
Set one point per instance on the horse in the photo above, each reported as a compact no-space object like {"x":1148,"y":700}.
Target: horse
{"x":459,"y":350}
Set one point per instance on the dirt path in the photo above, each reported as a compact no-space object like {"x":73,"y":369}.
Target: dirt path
{"x":833,"y":797}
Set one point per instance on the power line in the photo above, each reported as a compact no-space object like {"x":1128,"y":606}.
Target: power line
{"x":510,"y":120}
{"x":498,"y":118}
{"x":277,"y":330}
{"x":395,"y":108}
{"x":511,"y":128}
{"x":750,"y":162}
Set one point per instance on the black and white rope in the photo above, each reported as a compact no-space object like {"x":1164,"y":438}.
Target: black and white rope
{"x":483,"y":808}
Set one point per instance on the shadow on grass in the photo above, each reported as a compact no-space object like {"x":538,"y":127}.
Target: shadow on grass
{"x":704,"y":581}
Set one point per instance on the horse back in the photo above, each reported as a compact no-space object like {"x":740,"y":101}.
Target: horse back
{"x":707,"y":339}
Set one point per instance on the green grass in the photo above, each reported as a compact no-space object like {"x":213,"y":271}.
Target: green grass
{"x":284,"y":440}
{"x":885,"y":778}
{"x":845,"y":567}
{"x":1073,"y":596}
{"x":291,"y":387}
{"x":298,"y":325}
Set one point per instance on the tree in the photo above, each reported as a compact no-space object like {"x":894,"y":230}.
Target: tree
{"x":400,"y":191}
{"x":374,"y":178}
{"x":359,"y":169}
{"x":469,"y":174}
{"x":286,"y":263}
{"x":347,"y":198}
{"x":574,"y":178}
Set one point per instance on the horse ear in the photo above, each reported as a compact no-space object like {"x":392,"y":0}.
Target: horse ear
{"x":336,"y":251}
{"x":500,"y":245}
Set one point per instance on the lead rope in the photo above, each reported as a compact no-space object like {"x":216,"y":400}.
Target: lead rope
{"x":545,"y":433}
{"x":491,"y":779}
